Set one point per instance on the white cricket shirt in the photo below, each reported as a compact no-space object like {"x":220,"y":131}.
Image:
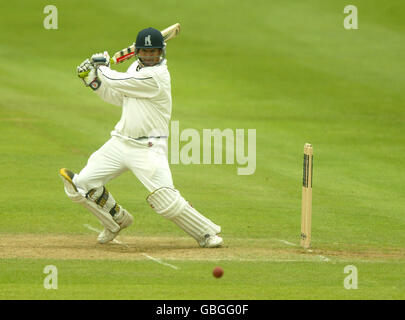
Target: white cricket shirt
{"x":145,"y":97}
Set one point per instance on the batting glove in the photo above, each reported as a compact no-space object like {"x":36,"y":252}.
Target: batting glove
{"x":100,"y":59}
{"x":88,"y":73}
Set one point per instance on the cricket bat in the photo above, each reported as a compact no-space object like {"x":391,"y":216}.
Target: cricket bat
{"x":127,"y":53}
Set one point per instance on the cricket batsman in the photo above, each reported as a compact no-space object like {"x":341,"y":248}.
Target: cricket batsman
{"x":139,"y":142}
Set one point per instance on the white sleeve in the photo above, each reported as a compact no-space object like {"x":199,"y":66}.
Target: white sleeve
{"x":142,"y":86}
{"x":110,"y":95}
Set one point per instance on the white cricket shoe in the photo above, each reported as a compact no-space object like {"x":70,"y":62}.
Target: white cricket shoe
{"x":106,"y":236}
{"x":212,"y":241}
{"x":124,"y":219}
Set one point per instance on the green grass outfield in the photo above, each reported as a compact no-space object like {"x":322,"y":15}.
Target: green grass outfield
{"x":288,"y":69}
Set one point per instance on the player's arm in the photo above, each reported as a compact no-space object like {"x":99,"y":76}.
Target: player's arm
{"x":142,"y":85}
{"x":110,"y":95}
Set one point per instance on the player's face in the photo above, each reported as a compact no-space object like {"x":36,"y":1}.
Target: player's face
{"x":150,"y":56}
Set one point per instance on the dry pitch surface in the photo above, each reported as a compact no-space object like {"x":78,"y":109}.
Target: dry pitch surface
{"x":53,"y":246}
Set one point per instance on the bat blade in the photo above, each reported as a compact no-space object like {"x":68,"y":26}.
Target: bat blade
{"x":171,"y":32}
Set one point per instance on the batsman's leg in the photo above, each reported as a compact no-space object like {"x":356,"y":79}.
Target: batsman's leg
{"x":169,"y":203}
{"x":150,"y":165}
{"x":101,"y":203}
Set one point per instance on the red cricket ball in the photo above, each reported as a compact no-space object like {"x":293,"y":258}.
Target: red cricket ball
{"x":218,"y":272}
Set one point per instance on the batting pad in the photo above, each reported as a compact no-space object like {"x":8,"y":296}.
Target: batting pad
{"x":104,"y":199}
{"x":104,"y":217}
{"x":170,"y":204}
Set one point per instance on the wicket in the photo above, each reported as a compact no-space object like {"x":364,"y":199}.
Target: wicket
{"x":306,"y":209}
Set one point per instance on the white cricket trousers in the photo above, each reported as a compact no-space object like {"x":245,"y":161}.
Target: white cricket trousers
{"x":147,"y":160}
